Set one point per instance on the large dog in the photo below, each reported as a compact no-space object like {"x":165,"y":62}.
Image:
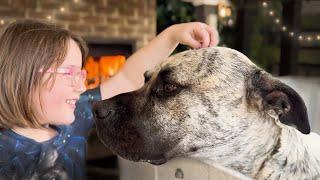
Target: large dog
{"x":214,"y":105}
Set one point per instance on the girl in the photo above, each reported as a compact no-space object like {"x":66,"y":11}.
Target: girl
{"x":42,"y":129}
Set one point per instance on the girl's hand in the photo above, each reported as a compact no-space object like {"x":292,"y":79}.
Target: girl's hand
{"x":130,"y":77}
{"x":194,"y":34}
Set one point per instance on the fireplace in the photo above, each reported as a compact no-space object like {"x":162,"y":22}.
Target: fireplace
{"x":105,"y":59}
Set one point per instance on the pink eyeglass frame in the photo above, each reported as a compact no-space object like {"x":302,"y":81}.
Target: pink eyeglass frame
{"x":66,"y":70}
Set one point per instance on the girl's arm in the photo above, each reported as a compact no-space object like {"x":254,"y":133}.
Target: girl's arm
{"x":130,"y":77}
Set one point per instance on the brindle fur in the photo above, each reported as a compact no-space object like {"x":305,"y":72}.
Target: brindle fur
{"x":216,"y":106}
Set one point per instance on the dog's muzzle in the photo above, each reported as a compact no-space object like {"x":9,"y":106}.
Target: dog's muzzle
{"x":127,"y":133}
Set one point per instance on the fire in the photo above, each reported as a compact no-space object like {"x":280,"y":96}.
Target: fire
{"x":102,"y":69}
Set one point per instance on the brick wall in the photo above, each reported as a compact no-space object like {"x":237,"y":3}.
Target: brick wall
{"x":118,"y":20}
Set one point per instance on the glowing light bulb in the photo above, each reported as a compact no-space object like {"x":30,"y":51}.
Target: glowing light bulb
{"x":271,"y":13}
{"x":284,"y":28}
{"x":264,"y":4}
{"x":309,"y":38}
{"x":49,"y":17}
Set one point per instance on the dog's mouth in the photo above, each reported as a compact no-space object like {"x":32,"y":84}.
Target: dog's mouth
{"x":130,"y":137}
{"x":157,"y":162}
{"x":137,"y":158}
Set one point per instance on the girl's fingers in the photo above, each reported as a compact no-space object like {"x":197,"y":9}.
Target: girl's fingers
{"x":192,"y":42}
{"x":203,"y":36}
{"x":214,"y":36}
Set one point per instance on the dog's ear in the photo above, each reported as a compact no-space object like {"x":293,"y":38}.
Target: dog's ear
{"x":276,"y":98}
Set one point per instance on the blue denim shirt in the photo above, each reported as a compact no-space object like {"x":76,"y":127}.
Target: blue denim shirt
{"x":20,"y":156}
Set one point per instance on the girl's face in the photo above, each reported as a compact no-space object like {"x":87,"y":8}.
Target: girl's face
{"x":59,"y":97}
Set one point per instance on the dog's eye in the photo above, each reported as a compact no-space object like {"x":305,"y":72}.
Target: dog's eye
{"x":147,"y":76}
{"x":166,"y":89}
{"x":169,"y":88}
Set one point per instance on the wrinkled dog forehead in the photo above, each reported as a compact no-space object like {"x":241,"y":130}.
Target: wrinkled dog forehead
{"x":193,"y":65}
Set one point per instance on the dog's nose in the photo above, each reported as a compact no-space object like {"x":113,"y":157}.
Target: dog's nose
{"x":100,"y":111}
{"x":102,"y":114}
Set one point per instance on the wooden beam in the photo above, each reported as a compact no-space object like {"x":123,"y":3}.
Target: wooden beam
{"x":244,"y":26}
{"x":291,"y":13}
{"x":207,"y":14}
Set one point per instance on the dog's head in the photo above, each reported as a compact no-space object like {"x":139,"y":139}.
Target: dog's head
{"x":198,"y":99}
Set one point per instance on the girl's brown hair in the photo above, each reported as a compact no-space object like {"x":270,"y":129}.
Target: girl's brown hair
{"x":26,"y":46}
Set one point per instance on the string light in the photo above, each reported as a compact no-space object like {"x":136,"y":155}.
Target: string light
{"x":271,"y":12}
{"x":264,"y":4}
{"x":49,"y":17}
{"x":291,"y":34}
{"x":309,"y":38}
{"x":62,"y":9}
{"x":284,"y":28}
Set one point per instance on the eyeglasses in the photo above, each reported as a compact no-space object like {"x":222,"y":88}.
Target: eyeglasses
{"x":74,"y":75}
